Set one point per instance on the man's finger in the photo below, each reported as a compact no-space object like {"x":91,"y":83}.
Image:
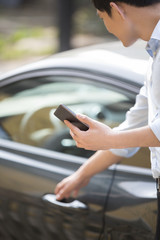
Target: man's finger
{"x":73,"y":128}
{"x":85,"y":119}
{"x":72,"y":134}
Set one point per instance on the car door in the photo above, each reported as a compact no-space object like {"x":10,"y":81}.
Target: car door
{"x":37,"y":152}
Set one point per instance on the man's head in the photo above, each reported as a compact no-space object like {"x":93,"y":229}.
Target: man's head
{"x":129,"y":20}
{"x":104,"y":5}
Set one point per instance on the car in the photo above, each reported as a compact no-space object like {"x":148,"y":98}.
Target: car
{"x":37,"y":151}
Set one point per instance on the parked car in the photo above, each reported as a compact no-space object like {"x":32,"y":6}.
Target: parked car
{"x":36,"y":150}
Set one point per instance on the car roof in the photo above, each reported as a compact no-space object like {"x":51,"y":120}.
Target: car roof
{"x":108,"y":59}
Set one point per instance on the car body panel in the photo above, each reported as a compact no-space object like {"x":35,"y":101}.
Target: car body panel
{"x":109,"y":60}
{"x":126,"y":218}
{"x":113,"y":203}
{"x":28,"y":178}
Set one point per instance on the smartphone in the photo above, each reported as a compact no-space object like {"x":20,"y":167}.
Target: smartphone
{"x":64,"y":113}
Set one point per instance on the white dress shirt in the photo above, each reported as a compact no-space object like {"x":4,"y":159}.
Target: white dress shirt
{"x":146,"y":110}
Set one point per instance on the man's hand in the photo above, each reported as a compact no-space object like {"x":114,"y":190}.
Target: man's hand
{"x":95,"y":164}
{"x":69,"y":185}
{"x":97,"y":137}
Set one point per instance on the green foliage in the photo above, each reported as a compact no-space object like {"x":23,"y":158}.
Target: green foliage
{"x":9,"y":44}
{"x":26,"y":33}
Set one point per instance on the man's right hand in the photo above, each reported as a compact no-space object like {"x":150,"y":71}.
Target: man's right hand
{"x":70,"y":185}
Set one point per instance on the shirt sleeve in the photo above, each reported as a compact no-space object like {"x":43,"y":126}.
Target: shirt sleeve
{"x":136,"y":117}
{"x":155,"y":97}
{"x":155,"y":126}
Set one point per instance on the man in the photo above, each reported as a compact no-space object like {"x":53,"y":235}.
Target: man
{"x":128,"y":20}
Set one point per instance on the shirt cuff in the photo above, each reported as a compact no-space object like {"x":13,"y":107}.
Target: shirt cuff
{"x":127,"y":152}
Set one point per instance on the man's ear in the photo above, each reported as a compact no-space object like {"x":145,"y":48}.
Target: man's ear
{"x":117,"y":8}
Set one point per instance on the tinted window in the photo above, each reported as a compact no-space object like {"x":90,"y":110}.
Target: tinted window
{"x":26,"y":110}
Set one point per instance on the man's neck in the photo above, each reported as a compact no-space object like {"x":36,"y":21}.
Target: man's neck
{"x":144,"y":19}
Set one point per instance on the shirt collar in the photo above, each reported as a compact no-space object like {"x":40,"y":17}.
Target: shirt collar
{"x":156,"y":31}
{"x":153,"y":44}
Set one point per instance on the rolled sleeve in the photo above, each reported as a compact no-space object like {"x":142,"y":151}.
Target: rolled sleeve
{"x":136,"y":117}
{"x":127,"y":152}
{"x":155,"y":127}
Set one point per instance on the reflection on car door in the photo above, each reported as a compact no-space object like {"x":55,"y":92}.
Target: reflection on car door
{"x":132,"y":206}
{"x":27,"y":203}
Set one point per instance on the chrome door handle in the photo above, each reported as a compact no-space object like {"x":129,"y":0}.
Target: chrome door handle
{"x":75,"y":204}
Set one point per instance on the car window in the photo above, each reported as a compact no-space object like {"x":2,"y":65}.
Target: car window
{"x":26,"y":110}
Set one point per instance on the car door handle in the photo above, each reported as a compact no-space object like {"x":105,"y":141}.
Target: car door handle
{"x":75,"y":204}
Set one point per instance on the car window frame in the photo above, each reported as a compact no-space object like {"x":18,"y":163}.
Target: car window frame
{"x":121,"y":84}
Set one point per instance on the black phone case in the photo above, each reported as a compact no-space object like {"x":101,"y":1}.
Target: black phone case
{"x":64,"y":113}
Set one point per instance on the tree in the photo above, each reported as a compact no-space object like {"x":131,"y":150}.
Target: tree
{"x":65,"y":12}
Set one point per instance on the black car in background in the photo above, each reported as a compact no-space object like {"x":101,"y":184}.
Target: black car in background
{"x":36,"y":150}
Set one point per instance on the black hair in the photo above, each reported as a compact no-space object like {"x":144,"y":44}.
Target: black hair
{"x":104,"y":5}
